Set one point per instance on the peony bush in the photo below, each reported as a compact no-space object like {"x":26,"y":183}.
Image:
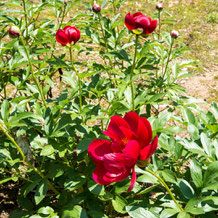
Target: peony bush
{"x":93,"y":121}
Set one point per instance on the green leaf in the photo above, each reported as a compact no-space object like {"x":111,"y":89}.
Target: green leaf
{"x":189,"y":116}
{"x":104,"y":3}
{"x":5,"y":110}
{"x":5,"y":153}
{"x":46,"y":210}
{"x":149,"y":189}
{"x":186,"y":189}
{"x":168,"y":213}
{"x":183,"y":215}
{"x":47,"y":150}
{"x":74,"y":211}
{"x":95,"y":188}
{"x":193,"y":130}
{"x":214,"y":109}
{"x":207,"y":145}
{"x":119,"y":204}
{"x":139,"y":212}
{"x":41,"y":191}
{"x":8,"y":179}
{"x":196,"y":173}
{"x":172,"y":130}
{"x":169,"y":176}
{"x":211,"y":173}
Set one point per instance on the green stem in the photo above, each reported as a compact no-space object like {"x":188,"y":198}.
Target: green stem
{"x":102,"y":30}
{"x":131,"y":74}
{"x":79,"y":80}
{"x":62,"y":16}
{"x":31,"y":70}
{"x":167,"y":188}
{"x":159,"y":24}
{"x":168,"y":58}
{"x":26,"y":160}
{"x":26,"y":18}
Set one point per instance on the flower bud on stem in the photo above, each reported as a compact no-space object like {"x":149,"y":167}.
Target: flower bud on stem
{"x":31,"y":70}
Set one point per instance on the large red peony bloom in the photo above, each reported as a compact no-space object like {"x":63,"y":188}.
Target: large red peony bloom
{"x":68,"y":35}
{"x":130,"y":141}
{"x":140,"y":21}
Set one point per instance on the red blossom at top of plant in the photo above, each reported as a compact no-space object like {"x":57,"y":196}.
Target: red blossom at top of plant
{"x":140,"y":21}
{"x":131,"y":138}
{"x":68,"y":35}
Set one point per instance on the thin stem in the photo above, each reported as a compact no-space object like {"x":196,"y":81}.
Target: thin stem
{"x":102,"y":30}
{"x":79,"y":80}
{"x":115,"y":13}
{"x":131,"y":74}
{"x":159,"y":24}
{"x":106,"y":45}
{"x":26,"y":18}
{"x":26,"y":160}
{"x":62,"y":16}
{"x":168,"y":58}
{"x":167,"y":188}
{"x":31,"y":70}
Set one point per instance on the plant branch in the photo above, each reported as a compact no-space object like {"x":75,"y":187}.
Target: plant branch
{"x":168,"y":58}
{"x":31,"y":70}
{"x":166,"y":186}
{"x":78,"y":77}
{"x":25,"y":160}
{"x":131,"y":74}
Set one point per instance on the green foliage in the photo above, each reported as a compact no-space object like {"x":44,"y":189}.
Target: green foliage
{"x":43,"y":147}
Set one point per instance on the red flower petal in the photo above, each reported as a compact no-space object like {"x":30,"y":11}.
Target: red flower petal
{"x":152,"y":26}
{"x":98,"y":148}
{"x":137,"y":14}
{"x":133,"y":180}
{"x":129,"y":22}
{"x":131,"y":153}
{"x":99,"y":174}
{"x":73,"y":33}
{"x":114,"y":162}
{"x":104,"y":177}
{"x":147,"y":151}
{"x":142,"y":21}
{"x":62,"y":37}
{"x":132,"y":119}
{"x":118,"y":176}
{"x":115,"y":124}
{"x":148,"y":126}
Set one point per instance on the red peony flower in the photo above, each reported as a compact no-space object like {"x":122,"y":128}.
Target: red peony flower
{"x":140,"y":21}
{"x":68,"y":35}
{"x":130,"y":141}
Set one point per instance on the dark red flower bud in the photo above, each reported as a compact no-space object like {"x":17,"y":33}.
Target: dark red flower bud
{"x":96,"y":8}
{"x":14,"y":31}
{"x":139,"y":23}
{"x":159,"y":6}
{"x":174,"y":34}
{"x":68,"y":35}
{"x":65,"y":2}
